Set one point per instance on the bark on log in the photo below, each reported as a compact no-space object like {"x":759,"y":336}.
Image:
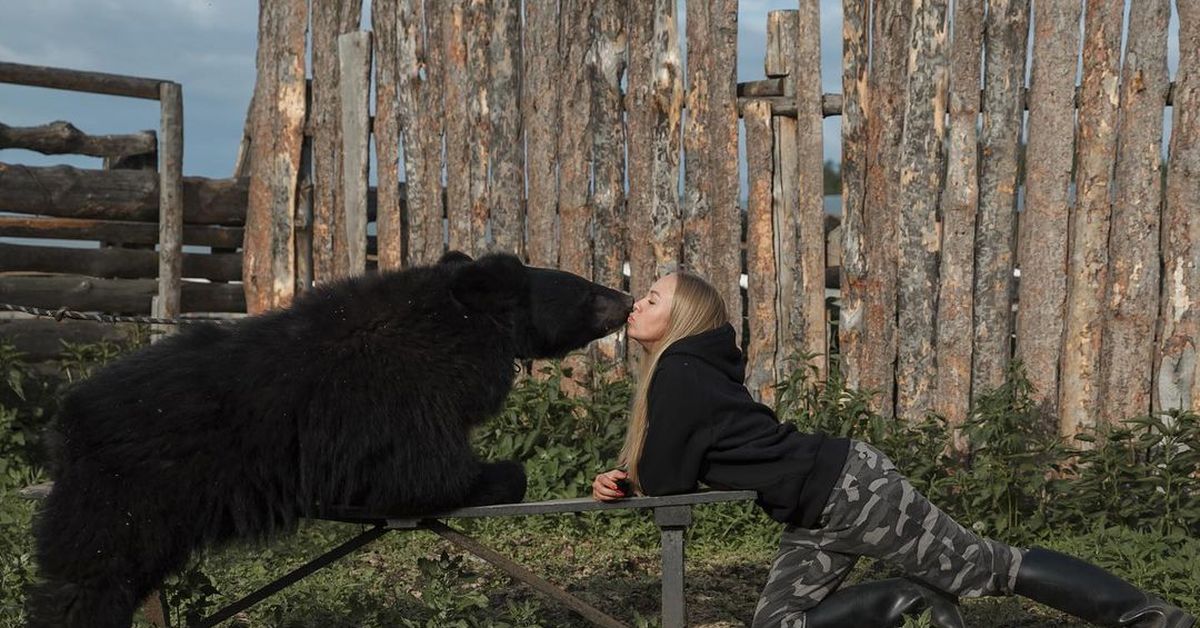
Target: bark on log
{"x":62,"y":138}
{"x":852,"y":315}
{"x":115,"y":262}
{"x":959,"y":203}
{"x":785,"y":201}
{"x":170,"y":200}
{"x":354,"y":59}
{"x":506,"y":190}
{"x":133,"y":195}
{"x":456,"y":95}
{"x":1133,"y":245}
{"x":1080,"y":391}
{"x":1177,"y":384}
{"x":724,"y":201}
{"x":698,"y":159}
{"x":539,"y":111}
{"x":808,"y":317}
{"x":666,"y":108}
{"x":389,"y":220}
{"x":269,"y":269}
{"x":606,"y":63}
{"x":420,"y":111}
{"x":114,"y":232}
{"x":762,"y":345}
{"x":330,"y":19}
{"x":1042,"y":248}
{"x":920,"y":184}
{"x":79,"y":81}
{"x":1006,"y":34}
{"x":478,"y":34}
{"x":115,"y":296}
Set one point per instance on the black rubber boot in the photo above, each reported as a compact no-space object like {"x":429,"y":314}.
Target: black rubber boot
{"x":883,"y":604}
{"x":1093,"y":594}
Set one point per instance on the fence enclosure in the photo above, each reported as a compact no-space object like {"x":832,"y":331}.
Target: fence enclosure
{"x":562,"y":135}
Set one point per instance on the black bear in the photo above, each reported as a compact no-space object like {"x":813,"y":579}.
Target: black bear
{"x":362,"y":393}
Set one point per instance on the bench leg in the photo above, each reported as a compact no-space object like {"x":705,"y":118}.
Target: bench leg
{"x":673,"y":522}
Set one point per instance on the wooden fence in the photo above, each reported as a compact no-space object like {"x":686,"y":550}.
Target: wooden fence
{"x":561,"y":135}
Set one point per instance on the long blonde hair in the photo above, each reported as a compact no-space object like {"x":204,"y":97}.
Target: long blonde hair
{"x":696,"y":307}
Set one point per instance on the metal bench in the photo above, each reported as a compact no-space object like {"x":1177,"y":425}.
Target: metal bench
{"x":672,"y":514}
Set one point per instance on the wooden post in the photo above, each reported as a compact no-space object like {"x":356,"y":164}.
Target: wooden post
{"x":696,"y":210}
{"x":673,"y":522}
{"x":760,"y":254}
{"x":1042,"y":251}
{"x":1177,"y":380}
{"x":170,"y":200}
{"x":477,"y":30}
{"x":330,"y":19}
{"x":807,"y":306}
{"x":539,"y":117}
{"x":269,"y":267}
{"x":1006,"y":34}
{"x":354,"y":55}
{"x":782,"y":47}
{"x":666,"y":96}
{"x":456,"y":94}
{"x":420,"y":110}
{"x":852,"y":314}
{"x":1088,"y":270}
{"x":390,"y":247}
{"x":959,"y":203}
{"x":506,"y":191}
{"x":1133,"y":243}
{"x":607,"y":61}
{"x":920,"y":185}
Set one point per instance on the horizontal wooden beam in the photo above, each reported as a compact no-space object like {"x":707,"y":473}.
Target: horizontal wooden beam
{"x":114,"y":231}
{"x":62,"y":138}
{"x":80,"y":81}
{"x":70,"y":192}
{"x":40,"y":339}
{"x":115,"y":262}
{"x":114,"y":296}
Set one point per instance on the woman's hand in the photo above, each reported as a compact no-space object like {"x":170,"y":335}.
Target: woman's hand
{"x":604,"y":487}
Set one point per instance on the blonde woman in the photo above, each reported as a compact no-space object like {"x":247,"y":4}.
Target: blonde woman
{"x":693,"y":421}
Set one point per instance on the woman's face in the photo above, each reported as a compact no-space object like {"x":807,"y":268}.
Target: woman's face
{"x":651,"y":314}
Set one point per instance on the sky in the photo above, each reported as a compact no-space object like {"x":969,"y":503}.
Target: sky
{"x":208,"y":46}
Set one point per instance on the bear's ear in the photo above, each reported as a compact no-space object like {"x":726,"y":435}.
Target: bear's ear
{"x":455,"y":257}
{"x":493,"y":283}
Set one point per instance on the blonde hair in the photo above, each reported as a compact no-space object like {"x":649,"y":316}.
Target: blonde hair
{"x":696,"y":307}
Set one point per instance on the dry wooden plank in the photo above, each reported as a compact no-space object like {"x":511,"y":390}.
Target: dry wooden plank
{"x":639,"y":121}
{"x":920,"y":184}
{"x":960,"y":199}
{"x":170,"y":199}
{"x":1042,"y":247}
{"x":575,"y":156}
{"x":79,"y":81}
{"x":116,"y":232}
{"x":1006,"y":33}
{"x":478,"y":33}
{"x":606,"y":63}
{"x":507,"y":186}
{"x":61,"y":138}
{"x":115,"y":262}
{"x":70,"y":192}
{"x":1080,"y":391}
{"x":457,"y":116}
{"x":761,"y":284}
{"x":1177,"y":384}
{"x":666,"y":109}
{"x":697,"y":142}
{"x":539,"y":117}
{"x":330,"y":19}
{"x":807,"y":306}
{"x":781,"y":37}
{"x":877,"y":358}
{"x":420,"y":111}
{"x":852,"y":315}
{"x":115,"y":296}
{"x":724,"y":200}
{"x":1133,"y":245}
{"x":388,"y":223}
{"x":268,"y":273}
{"x":354,"y":56}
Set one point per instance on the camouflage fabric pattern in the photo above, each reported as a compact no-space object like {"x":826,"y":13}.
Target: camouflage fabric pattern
{"x":875,"y":511}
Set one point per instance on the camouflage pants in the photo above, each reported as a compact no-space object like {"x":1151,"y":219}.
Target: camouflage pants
{"x":874,"y":511}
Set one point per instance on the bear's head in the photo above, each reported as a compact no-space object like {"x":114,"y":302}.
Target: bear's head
{"x":550,"y":312}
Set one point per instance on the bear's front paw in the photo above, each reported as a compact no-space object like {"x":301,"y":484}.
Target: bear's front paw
{"x":499,"y":483}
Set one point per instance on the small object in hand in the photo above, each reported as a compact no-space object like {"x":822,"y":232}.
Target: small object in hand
{"x":625,"y":486}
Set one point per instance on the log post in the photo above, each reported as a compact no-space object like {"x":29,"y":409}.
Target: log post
{"x":808,"y":321}
{"x":761,"y":273}
{"x":170,"y":200}
{"x":354,"y":57}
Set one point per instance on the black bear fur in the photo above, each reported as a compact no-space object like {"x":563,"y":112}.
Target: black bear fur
{"x":362,"y":393}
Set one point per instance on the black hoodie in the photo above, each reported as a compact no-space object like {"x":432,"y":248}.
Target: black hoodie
{"x":705,"y":427}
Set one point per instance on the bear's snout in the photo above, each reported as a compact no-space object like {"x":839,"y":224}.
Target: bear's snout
{"x":612,"y":308}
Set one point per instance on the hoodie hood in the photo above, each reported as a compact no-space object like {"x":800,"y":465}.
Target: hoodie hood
{"x":718,"y":347}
